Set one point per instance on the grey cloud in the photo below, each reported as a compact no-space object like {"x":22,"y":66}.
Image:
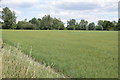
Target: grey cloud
{"x":23,"y":5}
{"x":111,"y":7}
{"x":15,"y":4}
{"x":119,"y":9}
{"x":78,"y":6}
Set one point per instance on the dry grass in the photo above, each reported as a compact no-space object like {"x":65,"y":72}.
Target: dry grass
{"x":0,"y":53}
{"x":0,"y":64}
{"x":15,"y":64}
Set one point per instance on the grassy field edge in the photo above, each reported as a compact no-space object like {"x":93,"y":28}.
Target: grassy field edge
{"x":16,"y":64}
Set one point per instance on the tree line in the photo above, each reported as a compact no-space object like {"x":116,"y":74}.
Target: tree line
{"x":49,"y":23}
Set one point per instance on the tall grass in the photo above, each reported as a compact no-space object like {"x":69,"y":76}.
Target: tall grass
{"x":79,"y":54}
{"x":15,"y":64}
{"x":1,"y":53}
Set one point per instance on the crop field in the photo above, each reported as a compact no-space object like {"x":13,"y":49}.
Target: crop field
{"x":76,"y":54}
{"x":15,"y":64}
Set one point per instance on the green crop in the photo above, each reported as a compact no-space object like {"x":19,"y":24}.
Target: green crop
{"x":78,"y":54}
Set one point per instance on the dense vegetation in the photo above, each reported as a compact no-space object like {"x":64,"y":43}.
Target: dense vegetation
{"x":49,"y":23}
{"x":15,"y":64}
{"x":81,"y":54}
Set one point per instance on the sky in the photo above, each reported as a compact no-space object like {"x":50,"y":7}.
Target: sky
{"x":91,"y":10}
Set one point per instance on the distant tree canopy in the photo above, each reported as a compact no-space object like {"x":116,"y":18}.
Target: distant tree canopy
{"x":25,"y":25}
{"x":71,"y":24}
{"x":9,"y":18}
{"x":46,"y":23}
{"x":1,"y":24}
{"x":49,"y":23}
{"x":118,"y":25}
{"x":91,"y":26}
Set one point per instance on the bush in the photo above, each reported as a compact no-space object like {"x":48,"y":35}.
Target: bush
{"x":28,"y":26}
{"x":0,"y":26}
{"x":99,"y":27}
{"x":25,"y":25}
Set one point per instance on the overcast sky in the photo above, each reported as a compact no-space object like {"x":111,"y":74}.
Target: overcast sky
{"x":91,"y":10}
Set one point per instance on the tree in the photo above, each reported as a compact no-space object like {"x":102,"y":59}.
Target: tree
{"x":91,"y":26}
{"x":71,"y":24}
{"x":9,"y":18}
{"x":20,"y":25}
{"x":28,"y":26}
{"x":99,"y":27}
{"x":36,"y":23}
{"x":1,"y":23}
{"x":25,"y":25}
{"x":107,"y":25}
{"x":77,"y":26}
{"x":57,"y":24}
{"x":47,"y":22}
{"x":118,"y":25}
{"x":83,"y":24}
{"x":61,"y":25}
{"x":100,"y":23}
{"x":114,"y":23}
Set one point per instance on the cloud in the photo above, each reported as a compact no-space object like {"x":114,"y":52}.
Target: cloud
{"x":19,"y":3}
{"x":77,"y":6}
{"x":103,"y":5}
{"x":119,"y":9}
{"x":17,"y":12}
{"x":91,"y":10}
{"x":1,"y":9}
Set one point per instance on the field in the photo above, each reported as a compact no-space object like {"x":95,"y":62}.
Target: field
{"x":78,"y":54}
{"x":15,"y":64}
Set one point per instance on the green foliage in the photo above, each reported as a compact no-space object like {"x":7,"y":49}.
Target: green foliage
{"x":71,"y":24}
{"x":118,"y":25}
{"x":47,"y":22}
{"x":91,"y":26}
{"x":100,"y":22}
{"x":57,"y":24}
{"x":1,"y":25}
{"x":107,"y":25}
{"x":99,"y":27}
{"x":77,"y":54}
{"x":14,"y":26}
{"x":25,"y":25}
{"x":20,"y":25}
{"x":36,"y":23}
{"x":28,"y":26}
{"x":83,"y":25}
{"x":77,"y":27}
{"x":9,"y":18}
